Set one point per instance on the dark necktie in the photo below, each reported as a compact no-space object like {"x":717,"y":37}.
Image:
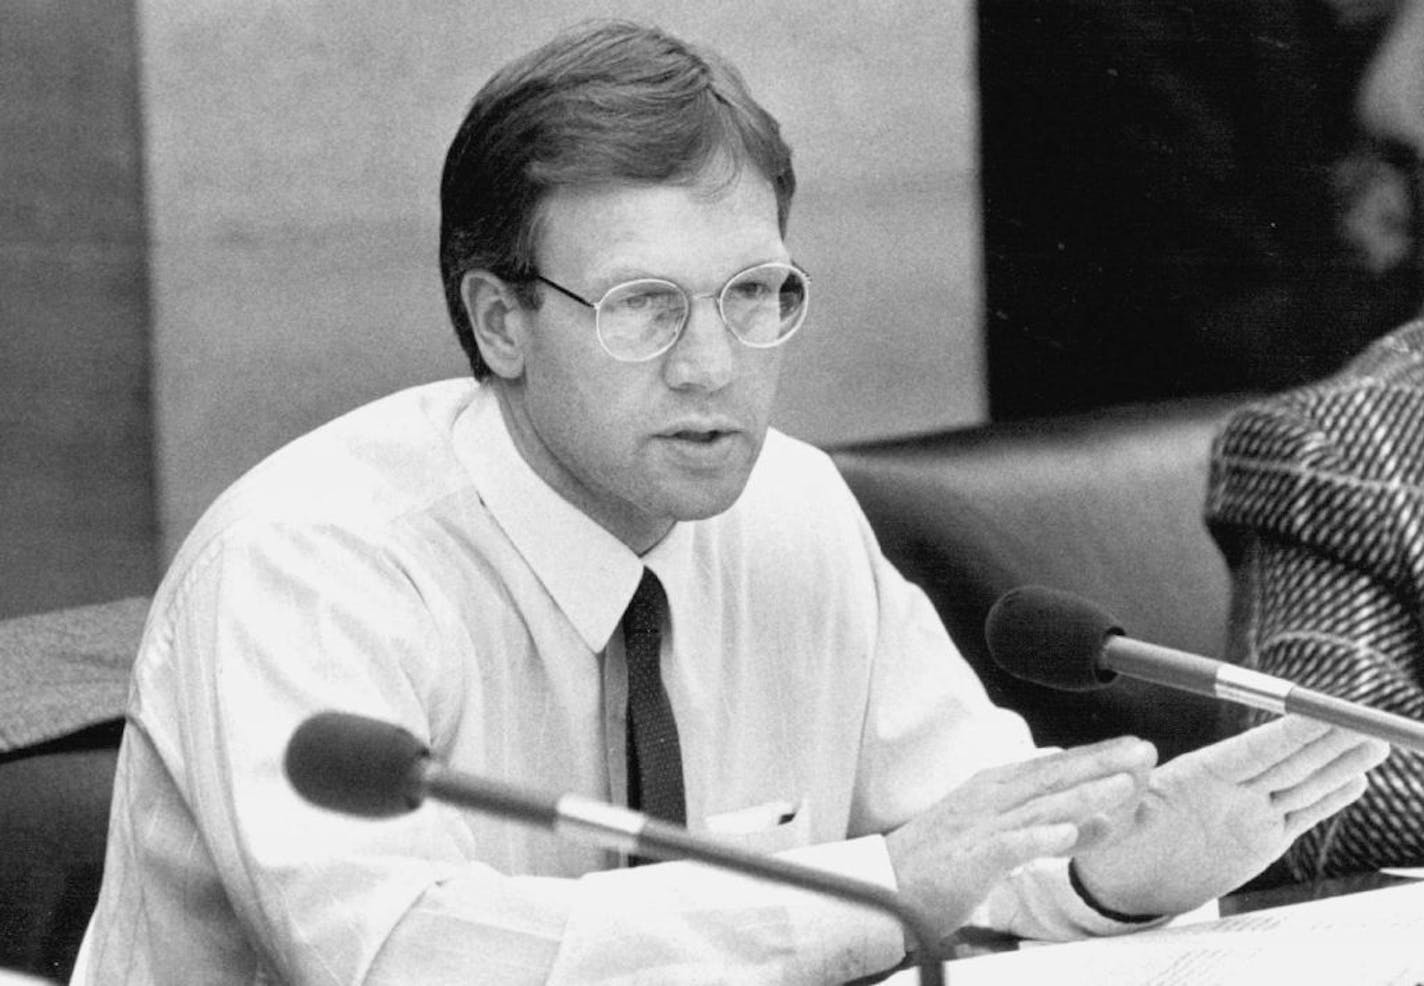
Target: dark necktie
{"x":654,"y":754}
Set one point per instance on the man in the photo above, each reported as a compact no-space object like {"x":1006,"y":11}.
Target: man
{"x":457,"y":559}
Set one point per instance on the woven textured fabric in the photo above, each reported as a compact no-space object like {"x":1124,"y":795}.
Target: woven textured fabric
{"x":1317,"y":501}
{"x":654,"y":752}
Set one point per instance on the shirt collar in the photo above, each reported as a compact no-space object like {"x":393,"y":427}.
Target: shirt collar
{"x":590,"y":574}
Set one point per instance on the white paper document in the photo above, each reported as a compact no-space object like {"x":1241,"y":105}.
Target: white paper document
{"x":1374,"y":938}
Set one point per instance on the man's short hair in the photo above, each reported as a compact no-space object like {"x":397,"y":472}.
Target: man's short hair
{"x":609,"y":102}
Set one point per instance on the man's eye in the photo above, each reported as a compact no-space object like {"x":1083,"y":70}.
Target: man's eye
{"x":646,"y":301}
{"x":752,"y":290}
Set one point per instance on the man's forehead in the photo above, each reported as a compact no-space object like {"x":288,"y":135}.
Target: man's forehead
{"x":630,"y":228}
{"x":712,"y":185}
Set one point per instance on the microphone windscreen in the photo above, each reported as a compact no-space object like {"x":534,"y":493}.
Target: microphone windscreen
{"x":1050,"y":637}
{"x":356,"y":764}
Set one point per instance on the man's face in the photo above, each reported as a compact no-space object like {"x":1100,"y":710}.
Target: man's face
{"x":638,"y":446}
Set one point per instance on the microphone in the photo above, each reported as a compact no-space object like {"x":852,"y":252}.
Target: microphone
{"x":1054,"y":638}
{"x":363,"y":766}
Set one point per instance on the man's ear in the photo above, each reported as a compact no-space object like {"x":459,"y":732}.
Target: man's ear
{"x":500,"y":322}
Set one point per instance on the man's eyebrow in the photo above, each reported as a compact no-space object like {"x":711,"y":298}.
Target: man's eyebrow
{"x":613,"y":275}
{"x":605,"y":278}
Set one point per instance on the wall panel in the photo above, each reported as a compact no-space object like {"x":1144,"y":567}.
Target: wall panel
{"x":77,"y":515}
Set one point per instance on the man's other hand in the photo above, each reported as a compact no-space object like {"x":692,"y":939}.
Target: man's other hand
{"x":1213,"y":818}
{"x":946,"y":859}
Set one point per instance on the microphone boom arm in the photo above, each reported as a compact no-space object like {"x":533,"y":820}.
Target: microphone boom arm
{"x":1244,"y":686}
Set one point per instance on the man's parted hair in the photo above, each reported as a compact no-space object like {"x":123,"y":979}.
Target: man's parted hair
{"x":610,"y":102}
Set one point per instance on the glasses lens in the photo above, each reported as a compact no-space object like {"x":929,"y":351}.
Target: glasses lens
{"x":764,"y":305}
{"x":639,"y":319}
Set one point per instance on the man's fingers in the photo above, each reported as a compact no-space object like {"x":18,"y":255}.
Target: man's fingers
{"x":1290,"y":792}
{"x":1086,"y":807}
{"x":1008,"y":850}
{"x":1316,"y":755}
{"x":1017,"y":784}
{"x":1246,"y":757}
{"x":1282,"y":752}
{"x":1299,"y":821}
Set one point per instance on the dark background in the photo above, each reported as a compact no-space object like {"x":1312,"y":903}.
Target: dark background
{"x":1162,"y":207}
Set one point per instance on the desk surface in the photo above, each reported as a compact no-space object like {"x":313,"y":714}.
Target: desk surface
{"x":1365,"y":938}
{"x":1298,"y":893}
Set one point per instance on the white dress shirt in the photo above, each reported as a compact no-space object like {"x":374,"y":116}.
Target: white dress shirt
{"x":403,"y":562}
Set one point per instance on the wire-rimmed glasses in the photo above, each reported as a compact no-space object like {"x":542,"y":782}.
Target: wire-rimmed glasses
{"x":762,"y":306}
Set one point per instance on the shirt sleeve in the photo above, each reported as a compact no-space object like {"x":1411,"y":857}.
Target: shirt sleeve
{"x":273,"y":628}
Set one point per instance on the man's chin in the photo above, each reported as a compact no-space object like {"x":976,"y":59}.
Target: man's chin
{"x":705,"y":505}
{"x":699,"y":499}
{"x":694,"y":490}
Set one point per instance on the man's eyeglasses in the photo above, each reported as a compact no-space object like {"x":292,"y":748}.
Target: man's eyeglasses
{"x":762,"y":306}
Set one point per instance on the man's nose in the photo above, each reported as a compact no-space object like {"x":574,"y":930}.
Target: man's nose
{"x":1391,"y":96}
{"x":703,"y":356}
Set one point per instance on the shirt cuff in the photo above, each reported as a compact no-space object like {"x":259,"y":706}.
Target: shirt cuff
{"x":1038,"y":901}
{"x":1075,"y":880}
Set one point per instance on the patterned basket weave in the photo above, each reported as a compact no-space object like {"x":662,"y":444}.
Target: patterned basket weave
{"x":1317,"y":500}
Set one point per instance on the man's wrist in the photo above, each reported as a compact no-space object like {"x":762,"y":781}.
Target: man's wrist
{"x":1075,"y":880}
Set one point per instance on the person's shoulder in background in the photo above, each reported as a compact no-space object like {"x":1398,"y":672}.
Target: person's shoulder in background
{"x":1329,"y":458}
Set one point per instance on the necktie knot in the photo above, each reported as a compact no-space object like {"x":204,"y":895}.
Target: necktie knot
{"x":643,"y":619}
